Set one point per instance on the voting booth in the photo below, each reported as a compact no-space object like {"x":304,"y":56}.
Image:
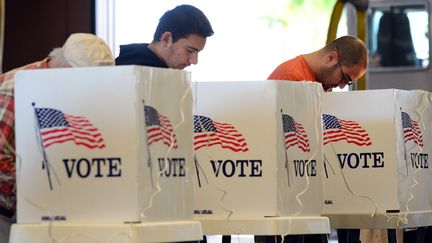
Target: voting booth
{"x":258,"y":158}
{"x":377,"y":146}
{"x":104,"y":153}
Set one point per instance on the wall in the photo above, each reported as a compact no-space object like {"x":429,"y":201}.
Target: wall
{"x":34,"y":28}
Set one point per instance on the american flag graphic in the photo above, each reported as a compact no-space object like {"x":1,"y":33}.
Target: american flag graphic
{"x":337,"y":129}
{"x":209,"y":132}
{"x":411,"y":130}
{"x":57,"y":127}
{"x":295,"y":134}
{"x":159,"y":128}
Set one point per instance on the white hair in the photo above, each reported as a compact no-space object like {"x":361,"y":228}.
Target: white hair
{"x":56,"y":52}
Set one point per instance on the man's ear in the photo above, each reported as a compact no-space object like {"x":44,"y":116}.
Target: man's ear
{"x":166,"y":39}
{"x":332,"y":58}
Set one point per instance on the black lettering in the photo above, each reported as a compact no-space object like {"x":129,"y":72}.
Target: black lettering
{"x":305,"y":167}
{"x":173,"y":168}
{"x":343,"y":161}
{"x":114,"y":169}
{"x":296,"y":164}
{"x":256,"y":168}
{"x":225,"y":170}
{"x":312,"y":166}
{"x":182,"y":170}
{"x":161,"y":162}
{"x":378,"y":159}
{"x":69,"y":168}
{"x":216,"y":171}
{"x":83,"y":168}
{"x":357,"y":161}
{"x":167,"y":170}
{"x":242,"y":163}
{"x":231,"y":168}
{"x":174,"y":163}
{"x":353,"y":160}
{"x":419,"y":160}
{"x":301,"y":168}
{"x":365,"y":156}
{"x":98,"y":162}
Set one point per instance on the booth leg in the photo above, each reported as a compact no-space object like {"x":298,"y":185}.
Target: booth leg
{"x":348,"y":235}
{"x":316,"y":238}
{"x":428,"y":234}
{"x":391,"y":236}
{"x":415,"y":236}
{"x":226,"y":238}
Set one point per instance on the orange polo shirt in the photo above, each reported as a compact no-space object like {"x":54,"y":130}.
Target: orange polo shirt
{"x":295,"y":69}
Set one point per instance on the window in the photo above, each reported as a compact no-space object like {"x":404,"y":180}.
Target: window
{"x":398,"y":37}
{"x":251,"y":37}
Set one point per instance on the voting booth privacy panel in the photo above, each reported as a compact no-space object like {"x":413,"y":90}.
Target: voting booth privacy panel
{"x":376,"y":147}
{"x":258,"y":151}
{"x":103,"y":145}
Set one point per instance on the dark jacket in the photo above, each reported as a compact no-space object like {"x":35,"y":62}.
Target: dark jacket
{"x":139,"y":54}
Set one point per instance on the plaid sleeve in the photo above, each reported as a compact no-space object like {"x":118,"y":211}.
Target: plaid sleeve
{"x":7,"y":147}
{"x":7,"y":138}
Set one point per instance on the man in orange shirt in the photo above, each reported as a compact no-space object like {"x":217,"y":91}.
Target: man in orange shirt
{"x":337,"y":64}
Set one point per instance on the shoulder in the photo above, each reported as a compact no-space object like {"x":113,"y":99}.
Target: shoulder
{"x":132,"y":54}
{"x":289,"y":70}
{"x":7,"y":79}
{"x":138,"y":54}
{"x":294,"y":63}
{"x":133,"y":47}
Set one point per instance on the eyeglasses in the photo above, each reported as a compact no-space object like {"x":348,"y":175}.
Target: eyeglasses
{"x":346,"y":79}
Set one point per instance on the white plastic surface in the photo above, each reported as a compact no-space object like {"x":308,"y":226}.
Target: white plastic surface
{"x":267,"y":226}
{"x":113,"y":233}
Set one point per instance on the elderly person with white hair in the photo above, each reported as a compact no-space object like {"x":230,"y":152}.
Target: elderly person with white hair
{"x":79,"y":50}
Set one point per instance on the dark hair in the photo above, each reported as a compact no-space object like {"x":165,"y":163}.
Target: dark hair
{"x":352,"y":50}
{"x":183,"y":21}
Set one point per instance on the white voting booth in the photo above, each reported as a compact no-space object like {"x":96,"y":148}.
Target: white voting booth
{"x":104,"y":154}
{"x":377,"y":147}
{"x":258,"y":164}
